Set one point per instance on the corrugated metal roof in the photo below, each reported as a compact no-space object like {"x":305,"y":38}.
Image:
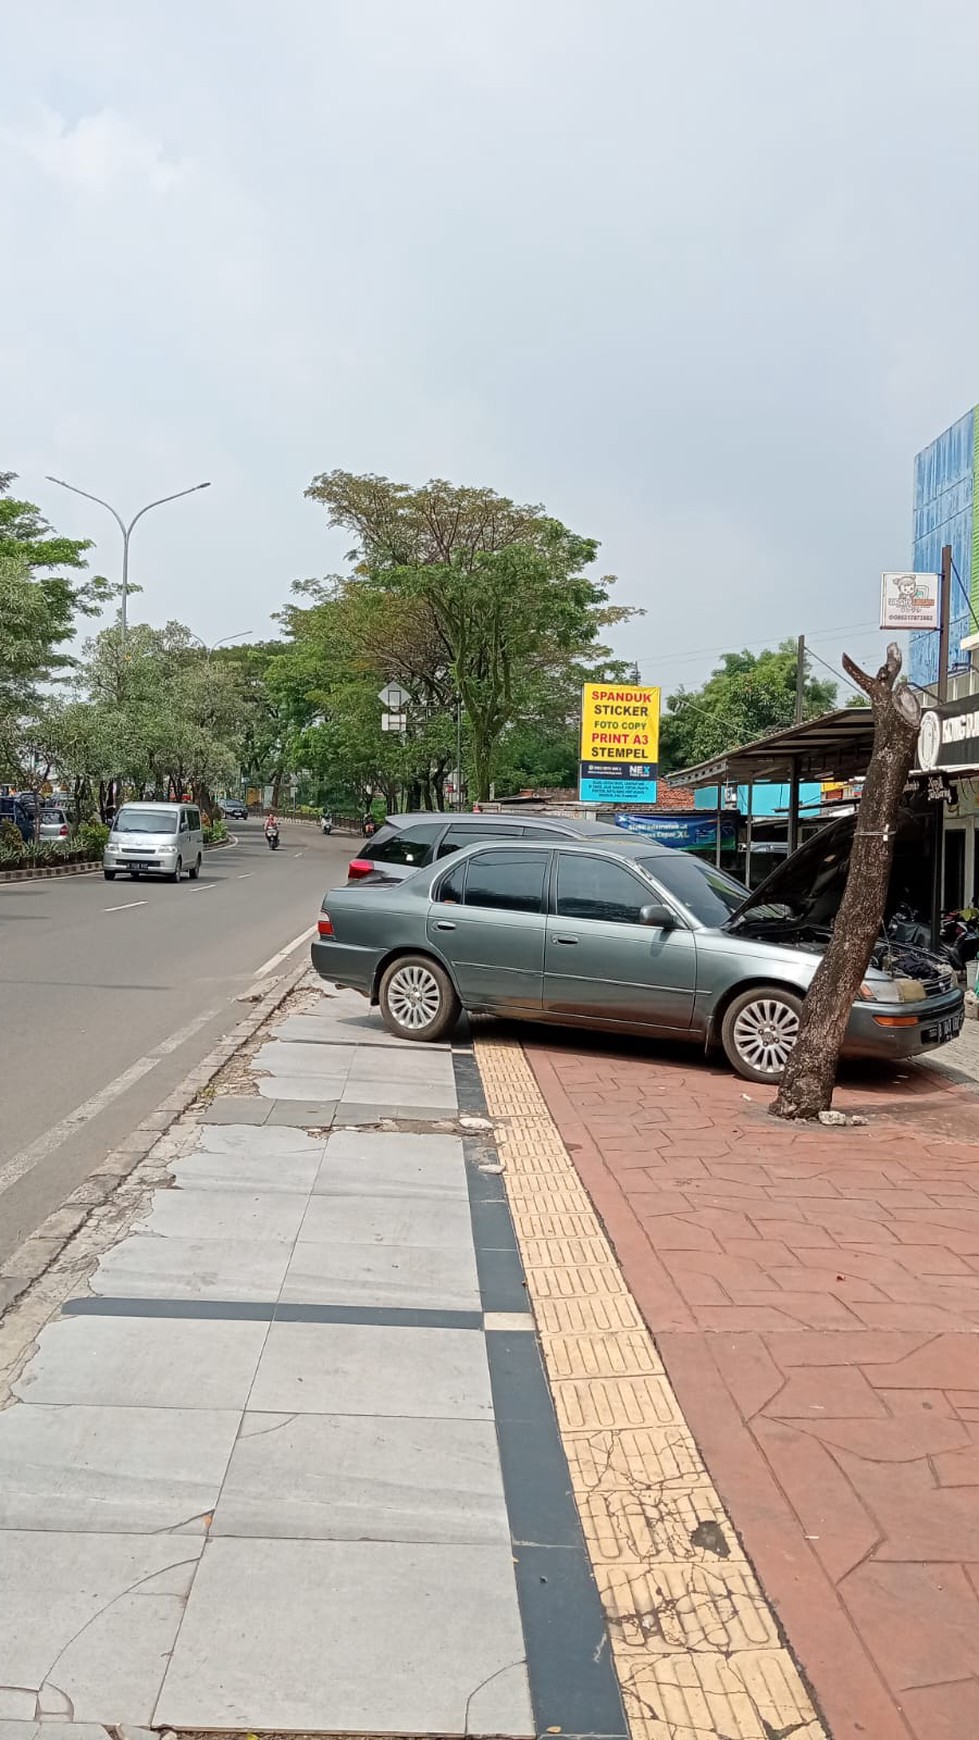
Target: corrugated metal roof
{"x":834,"y":746}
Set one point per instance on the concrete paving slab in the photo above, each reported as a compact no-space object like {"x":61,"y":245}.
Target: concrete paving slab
{"x":354,"y":1112}
{"x":236,"y":1109}
{"x":399,"y":1221}
{"x":411,"y":1098}
{"x":97,"y":1615}
{"x":382,"y":1275}
{"x":322,"y":1368}
{"x":264,"y":1142}
{"x":281,"y":1058}
{"x":271,"y":1216}
{"x":289,"y":1173}
{"x":309,"y":1088}
{"x":143,"y":1362}
{"x":51,"y":1730}
{"x":357,"y":1027}
{"x":412,"y":1063}
{"x":273,"y":1639}
{"x":111,"y":1470}
{"x":148,"y":1268}
{"x":302,"y":1114}
{"x":360,"y":1478}
{"x":430,"y":1168}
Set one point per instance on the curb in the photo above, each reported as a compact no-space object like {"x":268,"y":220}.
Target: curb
{"x":49,"y":870}
{"x":30,"y":1260}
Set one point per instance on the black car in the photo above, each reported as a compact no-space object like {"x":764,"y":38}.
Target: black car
{"x":407,"y":843}
{"x":234,"y":807}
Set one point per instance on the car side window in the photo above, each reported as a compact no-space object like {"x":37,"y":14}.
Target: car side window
{"x":471,"y":834}
{"x":410,"y":846}
{"x":452,"y":887}
{"x":183,"y":821}
{"x":193,"y":819}
{"x":596,"y":888}
{"x":530,"y":833}
{"x":508,"y":881}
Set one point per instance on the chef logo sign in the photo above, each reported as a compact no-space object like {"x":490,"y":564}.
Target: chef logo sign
{"x":619,"y":744}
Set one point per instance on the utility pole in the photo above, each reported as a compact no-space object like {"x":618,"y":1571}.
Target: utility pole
{"x":944,"y":621}
{"x":800,"y":680}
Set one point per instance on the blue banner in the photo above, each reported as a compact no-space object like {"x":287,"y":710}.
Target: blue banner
{"x":689,"y":833}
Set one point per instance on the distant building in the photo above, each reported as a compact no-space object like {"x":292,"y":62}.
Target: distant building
{"x":946,"y":511}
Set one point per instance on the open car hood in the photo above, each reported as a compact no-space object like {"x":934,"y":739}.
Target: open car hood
{"x":810,"y":882}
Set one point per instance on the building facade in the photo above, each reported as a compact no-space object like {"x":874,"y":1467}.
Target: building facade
{"x":946,"y":511}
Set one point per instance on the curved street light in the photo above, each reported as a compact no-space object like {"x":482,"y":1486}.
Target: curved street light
{"x":126,"y":532}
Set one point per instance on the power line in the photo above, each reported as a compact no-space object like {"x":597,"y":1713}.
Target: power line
{"x":765,"y":640}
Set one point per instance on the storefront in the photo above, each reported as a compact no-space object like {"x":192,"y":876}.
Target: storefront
{"x":947,"y":777}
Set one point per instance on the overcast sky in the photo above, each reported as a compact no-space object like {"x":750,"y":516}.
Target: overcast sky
{"x":701,"y":278}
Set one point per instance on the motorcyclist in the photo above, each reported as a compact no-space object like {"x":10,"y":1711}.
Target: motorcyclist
{"x":271,"y":824}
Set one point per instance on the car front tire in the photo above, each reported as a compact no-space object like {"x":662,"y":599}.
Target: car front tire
{"x":109,"y":875}
{"x":178,"y":874}
{"x":418,"y":999}
{"x":758,"y":1031}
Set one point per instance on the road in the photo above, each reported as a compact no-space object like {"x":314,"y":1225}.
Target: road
{"x":110,"y":992}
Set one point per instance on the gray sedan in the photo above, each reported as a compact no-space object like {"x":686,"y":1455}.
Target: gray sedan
{"x":625,"y":936}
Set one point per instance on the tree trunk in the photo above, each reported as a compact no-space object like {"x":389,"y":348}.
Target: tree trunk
{"x":807,"y":1083}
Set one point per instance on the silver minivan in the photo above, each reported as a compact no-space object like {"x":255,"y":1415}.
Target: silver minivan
{"x":153,"y":839}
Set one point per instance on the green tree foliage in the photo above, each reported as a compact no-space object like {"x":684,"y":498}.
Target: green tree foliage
{"x":461,"y":592}
{"x":30,"y":549}
{"x":745,"y":696}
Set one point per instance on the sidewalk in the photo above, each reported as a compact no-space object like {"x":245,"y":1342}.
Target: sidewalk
{"x":286,"y":1458}
{"x":283,"y":1446}
{"x":814,"y":1295}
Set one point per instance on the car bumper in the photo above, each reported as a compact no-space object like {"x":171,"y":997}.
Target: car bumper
{"x":934,"y":1022}
{"x":342,"y":964}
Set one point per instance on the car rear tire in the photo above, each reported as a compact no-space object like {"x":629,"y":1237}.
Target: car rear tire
{"x":109,"y":875}
{"x":758,"y":1031}
{"x":418,"y":999}
{"x":178,"y":874}
{"x":193,"y":874}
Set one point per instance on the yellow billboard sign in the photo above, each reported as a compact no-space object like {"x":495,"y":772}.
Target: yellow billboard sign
{"x":620,"y":723}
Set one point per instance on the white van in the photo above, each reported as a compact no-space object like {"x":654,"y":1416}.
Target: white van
{"x":150,"y":839}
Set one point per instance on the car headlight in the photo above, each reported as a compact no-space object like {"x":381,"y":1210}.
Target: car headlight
{"x":881,"y":991}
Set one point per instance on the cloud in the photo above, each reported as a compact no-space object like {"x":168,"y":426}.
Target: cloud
{"x":99,"y":154}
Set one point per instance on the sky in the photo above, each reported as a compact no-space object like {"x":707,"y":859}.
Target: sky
{"x":699,"y":278}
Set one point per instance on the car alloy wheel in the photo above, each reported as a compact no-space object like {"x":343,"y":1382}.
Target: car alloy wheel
{"x":763,"y":1034}
{"x":414,"y":996}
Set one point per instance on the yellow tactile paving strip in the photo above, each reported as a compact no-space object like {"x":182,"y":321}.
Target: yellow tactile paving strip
{"x":695,"y":1644}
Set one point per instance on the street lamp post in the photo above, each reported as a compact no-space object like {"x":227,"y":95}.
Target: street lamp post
{"x":225,"y":640}
{"x":126,"y":533}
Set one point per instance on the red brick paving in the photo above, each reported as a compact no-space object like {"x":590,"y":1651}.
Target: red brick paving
{"x":815,"y":1297}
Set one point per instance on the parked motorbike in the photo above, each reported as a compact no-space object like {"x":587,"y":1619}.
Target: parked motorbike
{"x":905,"y":930}
{"x":960,"y":935}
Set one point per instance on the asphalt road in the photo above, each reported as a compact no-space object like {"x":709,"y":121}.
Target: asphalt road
{"x":110,"y":992}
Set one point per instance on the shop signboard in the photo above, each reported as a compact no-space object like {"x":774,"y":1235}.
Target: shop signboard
{"x":688,"y":833}
{"x":949,"y":736}
{"x":619,"y":753}
{"x":909,"y":601}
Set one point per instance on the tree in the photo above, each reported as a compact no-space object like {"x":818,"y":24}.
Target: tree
{"x":746,"y":695}
{"x":806,"y":1088}
{"x":498,"y":591}
{"x":28,"y":542}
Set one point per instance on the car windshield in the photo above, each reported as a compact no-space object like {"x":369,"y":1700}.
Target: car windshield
{"x":145,"y":822}
{"x":709,"y":894}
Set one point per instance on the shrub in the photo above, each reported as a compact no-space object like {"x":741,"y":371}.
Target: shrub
{"x":92,"y":839}
{"x":215,"y":831}
{"x":11,"y":840}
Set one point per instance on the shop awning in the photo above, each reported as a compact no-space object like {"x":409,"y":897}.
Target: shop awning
{"x":834,"y":746}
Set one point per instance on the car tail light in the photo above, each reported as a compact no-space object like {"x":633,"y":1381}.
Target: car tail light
{"x":62,"y":831}
{"x":325,"y":924}
{"x":358,"y":867}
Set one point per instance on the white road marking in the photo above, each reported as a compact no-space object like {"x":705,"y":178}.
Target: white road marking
{"x":245,"y":875}
{"x":83,"y":1114}
{"x":202,"y":888}
{"x":304,"y":936}
{"x":128,"y":906}
{"x":297,"y":854}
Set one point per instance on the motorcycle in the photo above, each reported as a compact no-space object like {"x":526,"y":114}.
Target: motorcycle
{"x":272,"y":838}
{"x":327,"y":824}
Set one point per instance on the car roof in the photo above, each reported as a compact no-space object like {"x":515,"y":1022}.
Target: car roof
{"x":461,"y":818}
{"x":622,"y":845}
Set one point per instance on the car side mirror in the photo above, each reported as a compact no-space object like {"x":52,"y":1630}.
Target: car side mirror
{"x":657,"y":916}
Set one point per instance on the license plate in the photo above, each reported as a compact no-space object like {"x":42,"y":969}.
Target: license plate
{"x":945,"y":1030}
{"x":139,"y":865}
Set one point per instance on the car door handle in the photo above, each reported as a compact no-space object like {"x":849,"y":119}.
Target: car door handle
{"x":570,"y":940}
{"x":443,"y":924}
